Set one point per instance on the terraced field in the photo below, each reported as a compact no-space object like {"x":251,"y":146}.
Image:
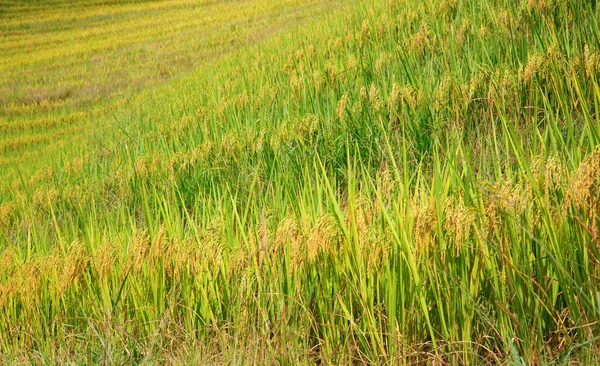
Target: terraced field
{"x":67,"y":67}
{"x":300,"y":182}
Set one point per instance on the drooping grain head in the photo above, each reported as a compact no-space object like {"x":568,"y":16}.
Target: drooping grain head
{"x":535,"y":65}
{"x":7,"y":212}
{"x":73,"y":266}
{"x":585,"y":186}
{"x":104,"y":259}
{"x":458,"y":221}
{"x":321,"y":237}
{"x":340,"y":109}
{"x":375,"y":98}
{"x":591,"y":61}
{"x":425,"y":224}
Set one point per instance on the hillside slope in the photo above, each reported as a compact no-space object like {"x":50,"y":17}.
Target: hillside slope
{"x":388,"y":182}
{"x":69,"y":68}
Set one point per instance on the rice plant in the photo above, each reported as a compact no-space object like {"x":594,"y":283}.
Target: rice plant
{"x":374,"y":182}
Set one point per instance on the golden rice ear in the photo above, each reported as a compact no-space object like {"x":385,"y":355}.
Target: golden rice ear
{"x":340,"y":109}
{"x":72,"y":266}
{"x":138,"y":250}
{"x":104,"y":259}
{"x":7,"y":212}
{"x":375,"y":98}
{"x":585,"y":185}
{"x":321,"y":237}
{"x":536,"y":64}
{"x":290,"y":235}
{"x":425,"y":224}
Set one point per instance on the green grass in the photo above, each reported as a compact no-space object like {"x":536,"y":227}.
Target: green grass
{"x":385,"y":183}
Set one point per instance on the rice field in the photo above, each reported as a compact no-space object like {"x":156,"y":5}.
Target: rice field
{"x":300,"y":182}
{"x":68,"y":67}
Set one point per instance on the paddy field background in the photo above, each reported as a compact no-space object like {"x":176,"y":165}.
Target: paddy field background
{"x":299,"y":182}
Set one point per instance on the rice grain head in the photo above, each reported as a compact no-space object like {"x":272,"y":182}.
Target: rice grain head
{"x":340,"y":109}
{"x":585,"y":186}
